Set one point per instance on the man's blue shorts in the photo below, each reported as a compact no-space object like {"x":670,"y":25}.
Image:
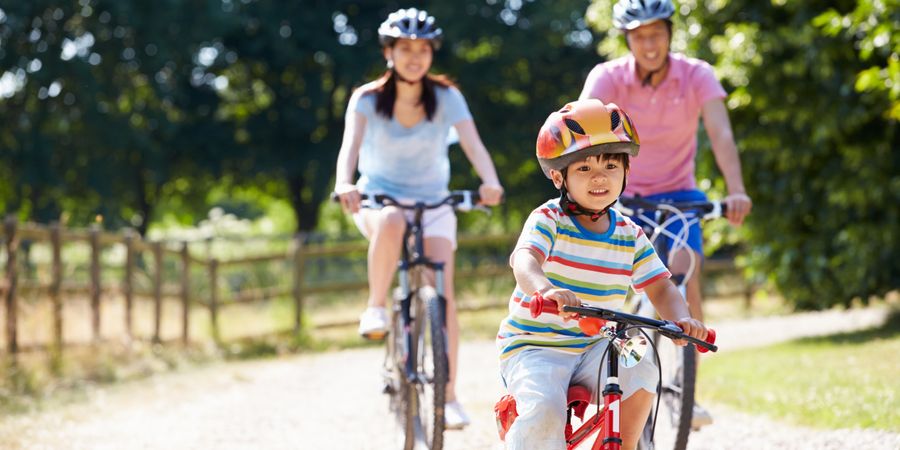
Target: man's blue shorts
{"x":695,"y":232}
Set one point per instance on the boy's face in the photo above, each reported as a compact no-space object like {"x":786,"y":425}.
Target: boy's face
{"x":593,"y":183}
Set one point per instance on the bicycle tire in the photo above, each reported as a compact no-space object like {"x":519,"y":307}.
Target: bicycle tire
{"x":401,"y":392}
{"x":432,"y":368}
{"x":678,"y":387}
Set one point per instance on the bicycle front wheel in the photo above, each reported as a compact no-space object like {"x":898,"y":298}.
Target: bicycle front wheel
{"x":432,"y":368}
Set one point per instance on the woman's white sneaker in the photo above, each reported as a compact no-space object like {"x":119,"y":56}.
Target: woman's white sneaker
{"x":455,"y":417}
{"x":373,"y":323}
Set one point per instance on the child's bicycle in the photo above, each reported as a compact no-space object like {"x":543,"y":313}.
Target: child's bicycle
{"x":625,"y":351}
{"x":415,"y":363}
{"x":679,"y":364}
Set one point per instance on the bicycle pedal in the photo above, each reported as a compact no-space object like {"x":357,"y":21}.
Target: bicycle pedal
{"x":375,"y":336}
{"x":387,"y":389}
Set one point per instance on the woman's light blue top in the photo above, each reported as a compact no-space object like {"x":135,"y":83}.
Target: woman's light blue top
{"x":410,"y":163}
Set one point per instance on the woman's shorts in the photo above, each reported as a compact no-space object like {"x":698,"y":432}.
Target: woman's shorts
{"x":439,"y":222}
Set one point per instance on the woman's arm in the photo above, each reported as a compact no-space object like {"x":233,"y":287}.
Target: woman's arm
{"x":718,"y":127}
{"x":354,"y":128}
{"x":491,"y":191}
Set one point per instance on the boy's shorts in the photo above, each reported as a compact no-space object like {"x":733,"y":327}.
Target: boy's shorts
{"x":695,"y":231}
{"x":539,"y":378}
{"x":439,"y":222}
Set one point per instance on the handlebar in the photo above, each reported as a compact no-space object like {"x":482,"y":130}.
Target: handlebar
{"x":591,"y":319}
{"x":462,"y":200}
{"x":709,"y":209}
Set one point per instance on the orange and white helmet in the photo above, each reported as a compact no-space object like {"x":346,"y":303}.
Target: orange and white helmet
{"x":582,"y":129}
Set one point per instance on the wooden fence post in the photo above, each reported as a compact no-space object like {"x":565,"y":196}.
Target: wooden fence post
{"x":185,"y":292}
{"x":157,"y":290}
{"x":55,"y":285}
{"x":95,"y":281}
{"x":12,"y":243}
{"x":299,"y":263}
{"x":128,"y":282}
{"x":214,"y":297}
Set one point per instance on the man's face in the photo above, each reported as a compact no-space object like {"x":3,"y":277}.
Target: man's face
{"x":650,"y":45}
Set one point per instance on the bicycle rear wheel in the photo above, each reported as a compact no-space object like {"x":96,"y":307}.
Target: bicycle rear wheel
{"x":679,"y":377}
{"x":432,"y":369}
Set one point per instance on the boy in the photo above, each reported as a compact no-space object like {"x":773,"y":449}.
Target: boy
{"x":574,"y":250}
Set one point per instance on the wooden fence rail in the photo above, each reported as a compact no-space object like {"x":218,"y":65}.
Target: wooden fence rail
{"x":151,"y":257}
{"x":154,"y":253}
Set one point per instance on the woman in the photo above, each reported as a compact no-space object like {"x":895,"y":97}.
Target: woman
{"x":396,"y":134}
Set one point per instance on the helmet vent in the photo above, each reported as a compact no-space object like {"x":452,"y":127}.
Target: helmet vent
{"x":615,"y":120}
{"x":574,"y":126}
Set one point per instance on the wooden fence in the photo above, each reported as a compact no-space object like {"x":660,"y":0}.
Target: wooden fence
{"x":149,"y":257}
{"x":299,"y":254}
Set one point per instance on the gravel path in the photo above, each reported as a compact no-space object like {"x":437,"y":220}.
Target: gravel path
{"x":332,"y":401}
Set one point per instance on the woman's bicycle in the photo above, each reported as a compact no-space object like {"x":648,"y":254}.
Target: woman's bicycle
{"x":416,"y":367}
{"x":680,"y":363}
{"x":627,"y":349}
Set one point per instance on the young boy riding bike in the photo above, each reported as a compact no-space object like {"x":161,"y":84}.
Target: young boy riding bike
{"x":573,"y":250}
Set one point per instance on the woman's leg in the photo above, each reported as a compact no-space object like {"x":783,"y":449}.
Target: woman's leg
{"x":385,"y":228}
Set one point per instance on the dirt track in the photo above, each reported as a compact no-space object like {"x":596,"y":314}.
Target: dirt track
{"x":332,"y":401}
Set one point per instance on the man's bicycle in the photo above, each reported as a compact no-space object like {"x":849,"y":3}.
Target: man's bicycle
{"x":416,"y":367}
{"x":679,"y":376}
{"x":627,"y":349}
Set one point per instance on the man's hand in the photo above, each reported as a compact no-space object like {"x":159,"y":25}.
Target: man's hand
{"x":737,"y":207}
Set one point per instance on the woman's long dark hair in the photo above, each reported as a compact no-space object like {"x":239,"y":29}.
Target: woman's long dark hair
{"x":385,"y":90}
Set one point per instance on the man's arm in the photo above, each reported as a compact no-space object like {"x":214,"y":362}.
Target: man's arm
{"x":718,"y":127}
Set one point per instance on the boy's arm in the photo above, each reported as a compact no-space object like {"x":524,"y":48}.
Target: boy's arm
{"x":530,"y":277}
{"x":671,"y":306}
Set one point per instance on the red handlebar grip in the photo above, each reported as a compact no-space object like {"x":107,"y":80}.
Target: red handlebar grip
{"x":710,"y":337}
{"x":540,"y":305}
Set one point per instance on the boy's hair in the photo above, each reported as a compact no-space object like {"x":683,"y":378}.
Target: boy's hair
{"x":622,"y":158}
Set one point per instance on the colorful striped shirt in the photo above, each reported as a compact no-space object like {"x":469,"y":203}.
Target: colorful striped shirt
{"x":598,"y":267}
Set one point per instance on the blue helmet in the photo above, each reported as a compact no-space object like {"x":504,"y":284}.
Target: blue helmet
{"x":630,"y":14}
{"x":409,"y":23}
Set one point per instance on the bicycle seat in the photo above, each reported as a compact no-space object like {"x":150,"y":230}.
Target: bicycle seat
{"x":577,"y":401}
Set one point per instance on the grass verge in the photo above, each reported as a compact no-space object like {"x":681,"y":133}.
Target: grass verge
{"x":839,"y":381}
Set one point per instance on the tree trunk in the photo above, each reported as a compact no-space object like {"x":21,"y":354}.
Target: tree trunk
{"x":305,"y":212}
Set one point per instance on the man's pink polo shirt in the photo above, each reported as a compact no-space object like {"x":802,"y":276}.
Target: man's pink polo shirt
{"x":666,"y":117}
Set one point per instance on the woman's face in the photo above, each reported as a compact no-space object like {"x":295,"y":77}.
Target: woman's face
{"x":650,"y":45}
{"x":411,"y":58}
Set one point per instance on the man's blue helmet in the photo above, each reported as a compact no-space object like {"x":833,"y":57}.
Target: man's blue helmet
{"x":630,"y":14}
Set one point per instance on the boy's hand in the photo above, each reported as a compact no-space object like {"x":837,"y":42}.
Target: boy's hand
{"x":563,"y":297}
{"x":691,"y":327}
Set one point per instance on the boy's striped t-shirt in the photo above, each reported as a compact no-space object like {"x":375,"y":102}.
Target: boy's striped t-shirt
{"x":598,"y":267}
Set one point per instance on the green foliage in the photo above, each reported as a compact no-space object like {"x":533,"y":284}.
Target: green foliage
{"x":813,"y":97}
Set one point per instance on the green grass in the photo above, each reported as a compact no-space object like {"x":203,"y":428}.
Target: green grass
{"x":838,"y":381}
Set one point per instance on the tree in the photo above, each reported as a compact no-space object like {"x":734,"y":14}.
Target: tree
{"x":813,"y":98}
